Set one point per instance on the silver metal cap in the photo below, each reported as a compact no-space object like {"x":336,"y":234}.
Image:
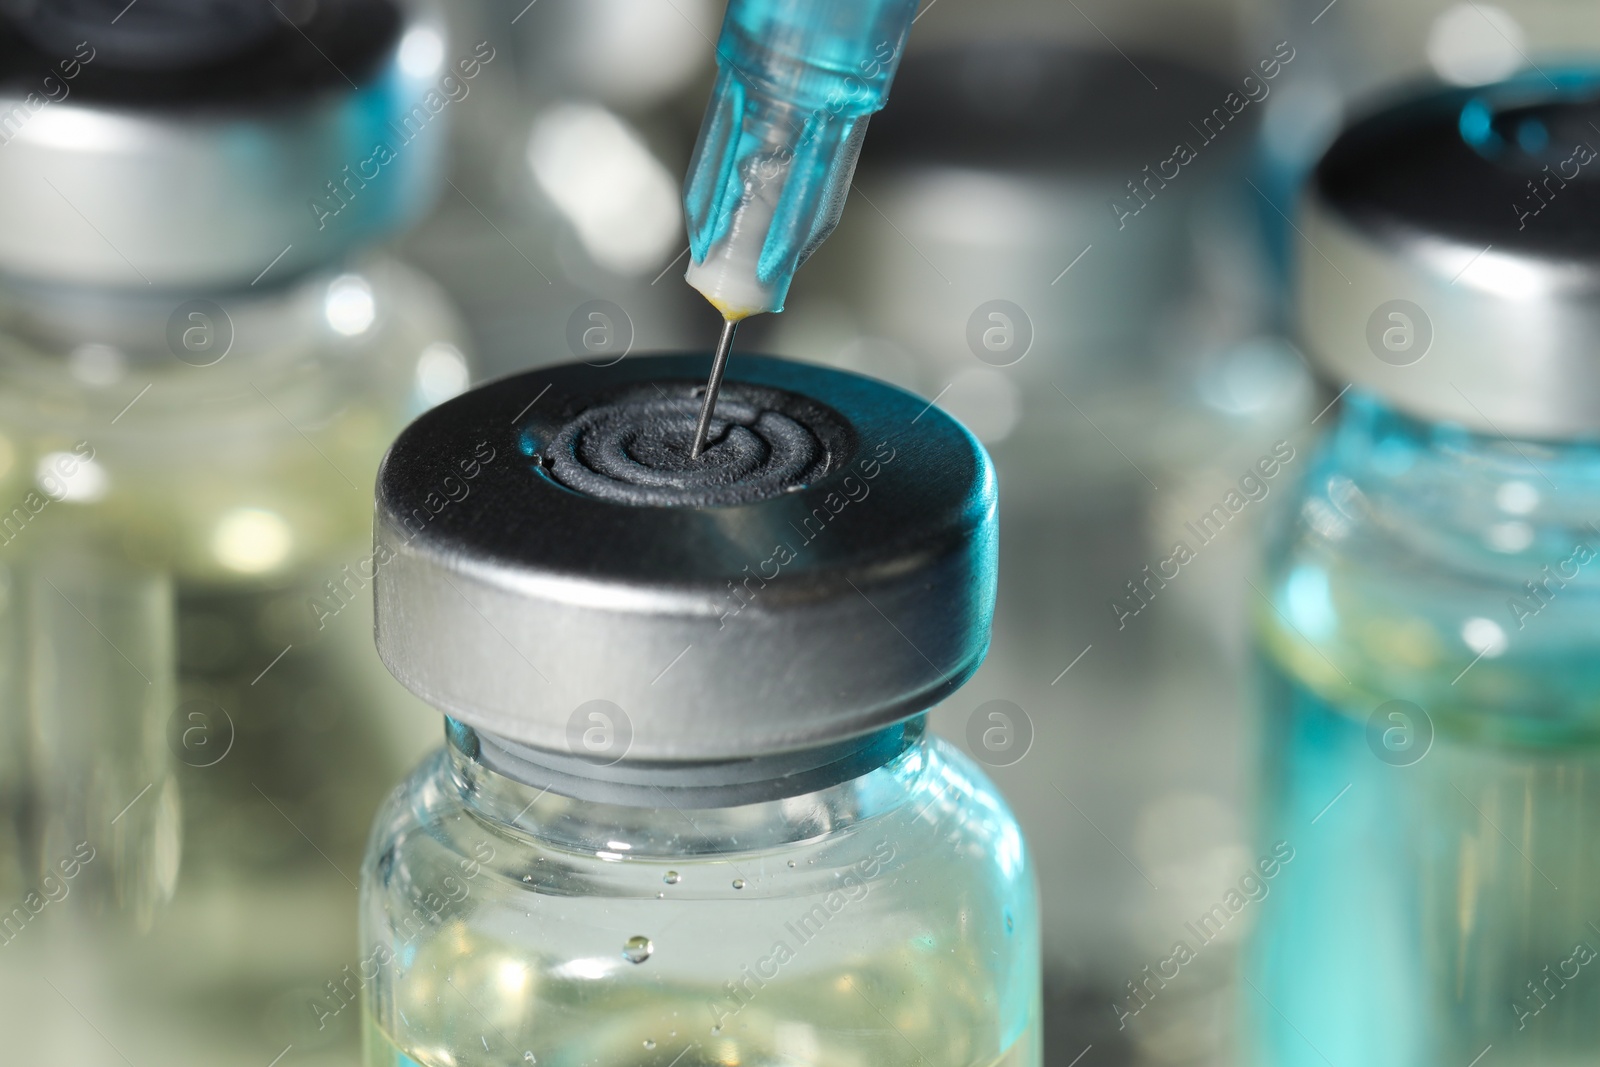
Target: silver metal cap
{"x":203,"y":176}
{"x":1452,"y":257}
{"x":545,"y":549}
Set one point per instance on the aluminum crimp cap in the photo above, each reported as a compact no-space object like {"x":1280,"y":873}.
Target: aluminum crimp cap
{"x":318,"y":138}
{"x":1452,"y":257}
{"x":544,"y":546}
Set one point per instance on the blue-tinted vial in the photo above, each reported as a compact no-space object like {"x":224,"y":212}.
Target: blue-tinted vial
{"x":1429,"y":625}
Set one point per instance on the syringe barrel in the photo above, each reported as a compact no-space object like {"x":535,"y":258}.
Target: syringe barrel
{"x":797,"y":81}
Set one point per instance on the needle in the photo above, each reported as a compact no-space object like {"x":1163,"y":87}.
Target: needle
{"x":719,"y":365}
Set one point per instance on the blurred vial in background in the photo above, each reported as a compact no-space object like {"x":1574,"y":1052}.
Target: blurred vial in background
{"x":1355,"y":53}
{"x":200,"y":367}
{"x":688,"y":813}
{"x":1428,"y":640}
{"x":566,"y":212}
{"x":1028,"y":248}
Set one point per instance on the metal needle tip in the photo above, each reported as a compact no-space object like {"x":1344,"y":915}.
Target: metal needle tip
{"x":719,"y":365}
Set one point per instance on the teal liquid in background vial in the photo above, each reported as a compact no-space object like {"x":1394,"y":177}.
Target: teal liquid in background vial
{"x":1435,"y":768}
{"x":1428,"y":622}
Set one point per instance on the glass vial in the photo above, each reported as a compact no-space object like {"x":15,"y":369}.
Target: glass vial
{"x":195,"y":392}
{"x":687,"y":810}
{"x":1428,"y":630}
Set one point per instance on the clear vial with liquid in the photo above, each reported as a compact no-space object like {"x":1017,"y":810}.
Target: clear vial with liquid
{"x":687,"y":811}
{"x":885,"y":920}
{"x":189,"y":611}
{"x":193,"y":404}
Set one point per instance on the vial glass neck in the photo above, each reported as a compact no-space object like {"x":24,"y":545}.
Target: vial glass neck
{"x":1445,"y":482}
{"x":658,"y":808}
{"x":1453,"y":570}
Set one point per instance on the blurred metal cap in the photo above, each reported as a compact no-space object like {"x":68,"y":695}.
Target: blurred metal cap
{"x":544,"y":546}
{"x":203,"y":174}
{"x":154,"y":34}
{"x":1452,"y":257}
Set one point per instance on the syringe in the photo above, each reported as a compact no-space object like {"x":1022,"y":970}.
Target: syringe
{"x":796,"y":83}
